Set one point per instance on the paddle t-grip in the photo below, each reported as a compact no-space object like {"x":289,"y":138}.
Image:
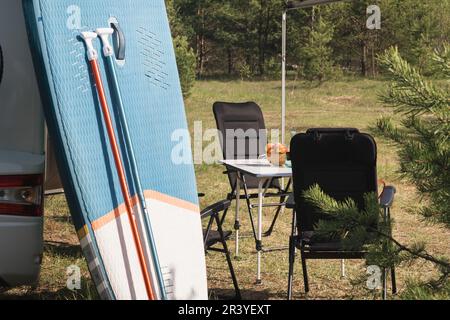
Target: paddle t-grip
{"x":89,"y":38}
{"x":104,"y":34}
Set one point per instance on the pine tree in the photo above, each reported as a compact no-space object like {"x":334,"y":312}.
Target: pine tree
{"x":317,"y":63}
{"x":423,"y":138}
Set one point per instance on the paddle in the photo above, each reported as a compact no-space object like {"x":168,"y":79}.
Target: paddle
{"x":88,"y":38}
{"x":108,"y":52}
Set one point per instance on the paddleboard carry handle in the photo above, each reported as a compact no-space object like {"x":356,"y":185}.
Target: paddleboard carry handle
{"x":92,"y":55}
{"x":121,"y":44}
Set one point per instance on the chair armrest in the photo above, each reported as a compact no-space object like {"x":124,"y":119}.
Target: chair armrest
{"x":228,"y":171}
{"x":305,"y":237}
{"x":387,"y":197}
{"x":215,"y":208}
{"x":290,"y":202}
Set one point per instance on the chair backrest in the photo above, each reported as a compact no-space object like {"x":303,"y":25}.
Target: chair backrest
{"x":343,"y":162}
{"x":242,"y":129}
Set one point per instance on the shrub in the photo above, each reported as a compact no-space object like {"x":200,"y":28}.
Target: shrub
{"x":245,"y":71}
{"x":186,"y":64}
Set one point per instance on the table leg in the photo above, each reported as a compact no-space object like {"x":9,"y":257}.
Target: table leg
{"x":343,"y":273}
{"x":259,"y":234}
{"x":236,"y":221}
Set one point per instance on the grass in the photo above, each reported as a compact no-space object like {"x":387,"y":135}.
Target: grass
{"x":349,"y":103}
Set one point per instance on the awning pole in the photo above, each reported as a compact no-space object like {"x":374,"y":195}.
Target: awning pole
{"x":283,"y":79}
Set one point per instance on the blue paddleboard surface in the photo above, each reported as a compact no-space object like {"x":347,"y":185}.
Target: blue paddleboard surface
{"x":149,"y":81}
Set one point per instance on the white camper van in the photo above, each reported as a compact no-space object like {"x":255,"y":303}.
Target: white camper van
{"x":22,"y":160}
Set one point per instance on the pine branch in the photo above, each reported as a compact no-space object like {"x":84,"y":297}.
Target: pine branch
{"x":409,"y":93}
{"x":442,"y":58}
{"x":424,"y":138}
{"x":417,"y":253}
{"x":386,"y":128}
{"x":358,"y":227}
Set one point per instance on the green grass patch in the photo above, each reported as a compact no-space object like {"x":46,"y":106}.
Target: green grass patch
{"x":346,"y":103}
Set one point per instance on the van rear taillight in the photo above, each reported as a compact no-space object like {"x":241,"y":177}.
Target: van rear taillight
{"x":21,"y":195}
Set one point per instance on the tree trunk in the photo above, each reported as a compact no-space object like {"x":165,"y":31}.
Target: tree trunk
{"x":375,"y":43}
{"x":200,"y":54}
{"x":364,"y":59}
{"x":260,"y":40}
{"x":201,"y":44}
{"x":266,"y":36}
{"x":373,"y":61}
{"x":230,"y":61}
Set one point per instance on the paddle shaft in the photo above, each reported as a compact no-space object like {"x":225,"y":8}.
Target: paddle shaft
{"x":135,"y":172}
{"x":122,"y":177}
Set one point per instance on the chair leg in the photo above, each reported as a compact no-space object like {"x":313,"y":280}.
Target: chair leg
{"x":230,"y":264}
{"x":275,"y":218}
{"x":233,"y":274}
{"x":224,"y":215}
{"x":393,"y":278}
{"x":305,"y":273}
{"x":208,"y":230}
{"x":249,"y":206}
{"x":387,"y":219}
{"x":291,"y":266}
{"x":230,"y":197}
{"x":394,"y":281}
{"x":277,"y":213}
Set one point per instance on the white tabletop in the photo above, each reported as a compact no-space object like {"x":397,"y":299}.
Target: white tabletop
{"x":259,"y":168}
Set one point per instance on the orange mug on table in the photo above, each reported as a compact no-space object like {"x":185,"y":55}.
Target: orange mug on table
{"x":276,"y":153}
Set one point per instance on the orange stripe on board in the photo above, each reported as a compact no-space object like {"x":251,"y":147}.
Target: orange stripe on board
{"x":171,"y":200}
{"x":111,"y":216}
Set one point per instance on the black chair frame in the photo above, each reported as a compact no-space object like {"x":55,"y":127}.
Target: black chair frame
{"x":213,"y":237}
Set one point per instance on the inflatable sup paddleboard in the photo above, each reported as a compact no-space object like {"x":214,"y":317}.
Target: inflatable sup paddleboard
{"x":151,"y":94}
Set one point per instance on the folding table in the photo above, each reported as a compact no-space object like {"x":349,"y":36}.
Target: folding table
{"x":264,"y":171}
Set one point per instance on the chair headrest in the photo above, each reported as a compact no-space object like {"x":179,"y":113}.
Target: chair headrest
{"x":348,"y":133}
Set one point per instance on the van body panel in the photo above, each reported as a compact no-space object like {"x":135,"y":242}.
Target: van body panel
{"x":20,"y":163}
{"x":21,"y":121}
{"x":20,"y":249}
{"x":22,"y":146}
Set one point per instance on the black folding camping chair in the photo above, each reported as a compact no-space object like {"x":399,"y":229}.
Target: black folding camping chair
{"x":244,"y":136}
{"x":213,"y":237}
{"x":343,"y":162}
